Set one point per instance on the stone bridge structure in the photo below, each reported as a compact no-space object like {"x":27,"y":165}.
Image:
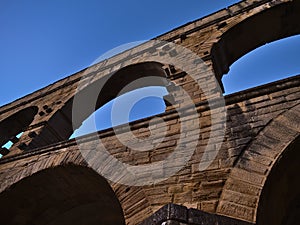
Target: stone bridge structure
{"x":243,"y":168}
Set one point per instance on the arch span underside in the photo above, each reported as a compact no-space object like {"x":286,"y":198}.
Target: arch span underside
{"x":248,"y":176}
{"x":63,"y":128}
{"x":14,"y":125}
{"x":62,"y":195}
{"x":280,"y":198}
{"x":273,"y":24}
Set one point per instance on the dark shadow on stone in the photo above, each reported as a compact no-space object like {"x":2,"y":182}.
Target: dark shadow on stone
{"x":61,"y":196}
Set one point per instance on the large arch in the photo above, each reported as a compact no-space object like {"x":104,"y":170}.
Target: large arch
{"x":15,"y":124}
{"x":279,"y":202}
{"x":242,"y":190}
{"x":264,"y":64}
{"x":60,"y":127}
{"x":278,"y":22}
{"x":61,"y":195}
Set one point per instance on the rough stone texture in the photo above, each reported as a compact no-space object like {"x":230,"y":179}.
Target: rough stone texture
{"x":261,"y":122}
{"x":179,"y":215}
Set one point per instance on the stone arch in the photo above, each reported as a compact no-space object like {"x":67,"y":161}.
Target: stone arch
{"x":133,"y":200}
{"x":272,"y":24}
{"x":14,"y":124}
{"x":59,"y":127}
{"x":61,"y":195}
{"x":280,"y":198}
{"x":242,"y":190}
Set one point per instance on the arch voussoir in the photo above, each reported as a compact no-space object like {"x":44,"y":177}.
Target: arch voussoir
{"x":249,"y":175}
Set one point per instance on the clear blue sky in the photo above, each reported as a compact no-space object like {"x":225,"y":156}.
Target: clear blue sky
{"x":44,"y":41}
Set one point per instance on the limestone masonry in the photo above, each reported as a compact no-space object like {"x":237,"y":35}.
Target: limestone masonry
{"x":252,"y":179}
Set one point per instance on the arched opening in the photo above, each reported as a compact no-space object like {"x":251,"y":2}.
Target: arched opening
{"x":149,"y":101}
{"x":274,"y":61}
{"x":59,"y":196}
{"x":273,"y":24}
{"x":60,"y":126}
{"x":13,"y":127}
{"x":125,"y":81}
{"x":280,"y":199}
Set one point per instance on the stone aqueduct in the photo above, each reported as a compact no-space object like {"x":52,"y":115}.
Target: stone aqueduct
{"x":252,"y":180}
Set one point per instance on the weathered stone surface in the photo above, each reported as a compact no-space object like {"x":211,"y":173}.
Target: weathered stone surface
{"x":178,"y":215}
{"x":261,"y":124}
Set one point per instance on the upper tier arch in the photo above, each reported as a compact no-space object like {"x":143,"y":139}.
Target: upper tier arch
{"x":278,"y":22}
